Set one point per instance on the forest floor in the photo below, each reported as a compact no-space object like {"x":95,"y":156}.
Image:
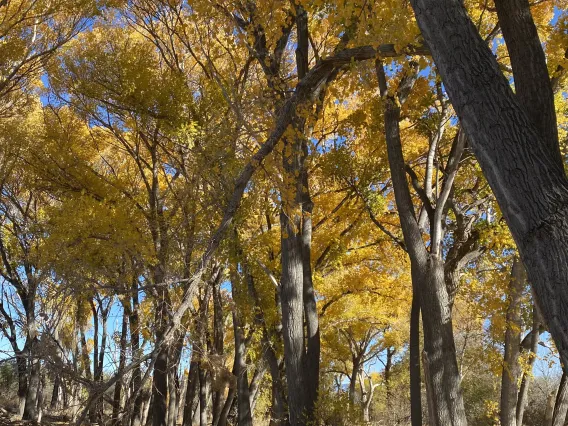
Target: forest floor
{"x":7,"y":419}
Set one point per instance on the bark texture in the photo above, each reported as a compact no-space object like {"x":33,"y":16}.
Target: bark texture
{"x":529,"y":185}
{"x":427,"y":270}
{"x":511,"y":368}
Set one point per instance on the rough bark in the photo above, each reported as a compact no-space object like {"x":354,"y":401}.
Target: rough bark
{"x":243,"y":396}
{"x":427,"y":270}
{"x":278,"y":400}
{"x":203,"y":391}
{"x":532,"y":82}
{"x":355,"y":371}
{"x":191,"y":392}
{"x":160,"y":377}
{"x":439,"y":348}
{"x":291,"y":299}
{"x":30,"y":408}
{"x":414,"y":354}
{"x":511,"y":368}
{"x":173,"y":381}
{"x":218,"y":339}
{"x":529,"y":185}
{"x":561,"y":404}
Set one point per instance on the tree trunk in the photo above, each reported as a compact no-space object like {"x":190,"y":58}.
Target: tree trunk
{"x":173,"y":381}
{"x":227,"y":406}
{"x":160,"y":378}
{"x":218,"y":339}
{"x":511,"y":368}
{"x":191,"y":392}
{"x":136,"y":415}
{"x":22,"y":363}
{"x":529,"y":184}
{"x":30,"y":409}
{"x":203,"y":391}
{"x":524,"y":389}
{"x":439,"y":348}
{"x":356,"y":369}
{"x":532,"y":82}
{"x":243,"y":396}
{"x":278,"y":403}
{"x":387,"y":375}
{"x":561,"y":404}
{"x":549,"y":412}
{"x":291,"y":298}
{"x":121,"y":363}
{"x":254,"y":385}
{"x":55,"y":393}
{"x":427,"y":270}
{"x":414,"y":350}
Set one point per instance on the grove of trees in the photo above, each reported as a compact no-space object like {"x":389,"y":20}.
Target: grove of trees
{"x":284,"y":212}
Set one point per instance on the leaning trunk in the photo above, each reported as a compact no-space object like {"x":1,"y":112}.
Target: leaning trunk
{"x":427,"y":269}
{"x":529,"y":184}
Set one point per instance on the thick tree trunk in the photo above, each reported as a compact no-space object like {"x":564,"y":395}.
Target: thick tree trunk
{"x":243,"y":396}
{"x":278,"y":403}
{"x":427,"y":270}
{"x":30,"y":408}
{"x":291,"y":298}
{"x":173,"y":382}
{"x":511,"y":368}
{"x":21,"y":363}
{"x":160,"y":377}
{"x":561,"y":404}
{"x":190,"y":404}
{"x":240,"y":367}
{"x":414,"y":354}
{"x":532,"y":82}
{"x":218,"y":339}
{"x":203,"y":393}
{"x":353,"y":379}
{"x":529,"y":184}
{"x":55,"y":392}
{"x":227,"y":406}
{"x":439,"y":348}
{"x":387,"y":375}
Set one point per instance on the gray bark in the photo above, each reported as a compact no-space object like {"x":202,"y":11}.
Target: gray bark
{"x":561,"y":404}
{"x":414,"y":354}
{"x":532,"y":82}
{"x":511,"y":368}
{"x":525,"y":382}
{"x":529,"y":185}
{"x":121,"y":363}
{"x":136,"y":414}
{"x":243,"y":396}
{"x":427,"y":270}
